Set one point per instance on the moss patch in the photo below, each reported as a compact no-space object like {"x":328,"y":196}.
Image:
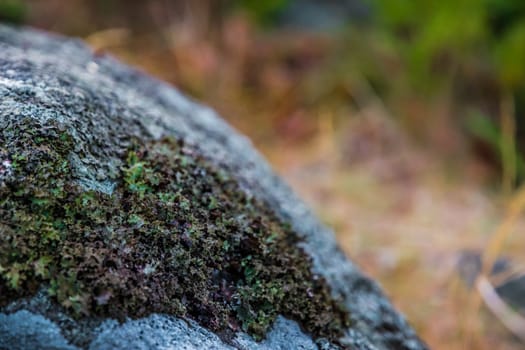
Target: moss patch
{"x":177,"y":236}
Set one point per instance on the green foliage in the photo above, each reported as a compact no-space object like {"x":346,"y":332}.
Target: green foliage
{"x":485,"y":129}
{"x":12,"y":11}
{"x":434,"y":38}
{"x":428,"y":33}
{"x":449,"y":51}
{"x":509,"y":56}
{"x":262,"y":12}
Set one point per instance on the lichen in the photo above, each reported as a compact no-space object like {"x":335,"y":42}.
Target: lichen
{"x":177,"y":236}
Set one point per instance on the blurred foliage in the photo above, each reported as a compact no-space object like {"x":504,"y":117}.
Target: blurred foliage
{"x":456,"y":33}
{"x":262,"y":12}
{"x":469,"y":53}
{"x":12,"y":11}
{"x":486,"y":130}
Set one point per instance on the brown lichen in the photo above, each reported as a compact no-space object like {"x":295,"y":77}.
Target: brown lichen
{"x":177,"y":236}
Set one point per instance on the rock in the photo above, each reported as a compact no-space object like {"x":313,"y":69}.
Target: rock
{"x":134,"y":218}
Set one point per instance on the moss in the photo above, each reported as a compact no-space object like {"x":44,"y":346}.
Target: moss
{"x":177,"y":236}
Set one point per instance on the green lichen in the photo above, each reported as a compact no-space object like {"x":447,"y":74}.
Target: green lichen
{"x":177,"y":236}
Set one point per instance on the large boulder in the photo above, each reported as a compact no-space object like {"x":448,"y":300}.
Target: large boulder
{"x":134,"y":218}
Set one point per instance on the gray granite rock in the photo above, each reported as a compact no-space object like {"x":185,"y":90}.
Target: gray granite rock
{"x":102,"y":102}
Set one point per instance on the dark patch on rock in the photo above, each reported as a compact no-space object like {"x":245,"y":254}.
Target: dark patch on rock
{"x":176,"y":236}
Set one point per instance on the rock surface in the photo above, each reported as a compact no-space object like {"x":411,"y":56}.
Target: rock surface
{"x":103,"y":124}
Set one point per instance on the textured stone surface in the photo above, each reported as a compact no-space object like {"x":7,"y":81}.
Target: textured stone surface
{"x":102,"y":103}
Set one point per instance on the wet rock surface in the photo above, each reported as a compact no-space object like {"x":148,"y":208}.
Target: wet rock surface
{"x":132,"y":217}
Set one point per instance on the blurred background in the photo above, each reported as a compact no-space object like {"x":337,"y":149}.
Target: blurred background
{"x":400,"y":122}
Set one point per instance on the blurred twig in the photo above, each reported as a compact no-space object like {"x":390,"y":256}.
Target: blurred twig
{"x":495,"y":246}
{"x":510,"y":319}
{"x":508,"y":143}
{"x":491,"y":253}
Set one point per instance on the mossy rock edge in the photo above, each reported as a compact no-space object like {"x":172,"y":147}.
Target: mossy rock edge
{"x":126,"y":207}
